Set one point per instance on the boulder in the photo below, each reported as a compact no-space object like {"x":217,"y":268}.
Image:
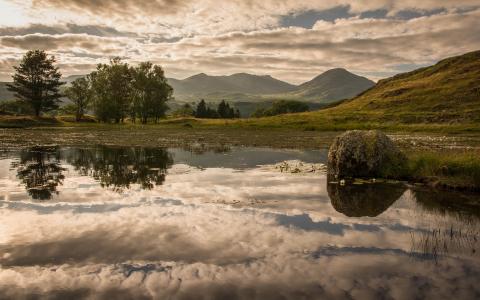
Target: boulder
{"x":364,"y":154}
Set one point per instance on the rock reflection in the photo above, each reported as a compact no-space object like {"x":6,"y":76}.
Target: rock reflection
{"x":367,"y":200}
{"x":40,"y":171}
{"x":120,"y":167}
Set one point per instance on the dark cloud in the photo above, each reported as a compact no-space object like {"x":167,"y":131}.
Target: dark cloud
{"x":96,"y":30}
{"x":54,"y":42}
{"x":123,"y":7}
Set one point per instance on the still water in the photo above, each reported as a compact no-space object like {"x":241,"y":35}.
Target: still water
{"x":119,"y":223}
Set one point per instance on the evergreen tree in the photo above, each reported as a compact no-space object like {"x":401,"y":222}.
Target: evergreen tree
{"x":201,"y":111}
{"x":222,"y":109}
{"x":37,"y":81}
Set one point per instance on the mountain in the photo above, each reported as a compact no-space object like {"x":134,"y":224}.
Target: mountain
{"x":333,"y":85}
{"x":203,"y":84}
{"x":71,"y":78}
{"x":447,"y":93}
{"x":4,"y":93}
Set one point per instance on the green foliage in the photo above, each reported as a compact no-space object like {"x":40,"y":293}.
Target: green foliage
{"x":224,"y":111}
{"x":81,"y":94}
{"x":281,"y":107}
{"x":112,"y":91}
{"x":150,"y":92}
{"x":455,"y":168}
{"x":37,"y":81}
{"x":119,"y":91}
{"x":185,"y":110}
{"x":16,"y":107}
{"x":68,"y":109}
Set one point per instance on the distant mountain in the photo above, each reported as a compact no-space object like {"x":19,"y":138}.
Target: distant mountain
{"x":333,"y":85}
{"x":4,"y":93}
{"x":445,"y":93}
{"x":202,"y":84}
{"x":71,"y":78}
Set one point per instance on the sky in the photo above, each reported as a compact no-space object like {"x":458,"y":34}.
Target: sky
{"x":290,"y":40}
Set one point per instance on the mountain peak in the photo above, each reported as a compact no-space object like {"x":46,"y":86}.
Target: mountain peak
{"x":334,"y":84}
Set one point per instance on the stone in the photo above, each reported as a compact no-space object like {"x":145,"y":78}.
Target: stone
{"x":364,"y":154}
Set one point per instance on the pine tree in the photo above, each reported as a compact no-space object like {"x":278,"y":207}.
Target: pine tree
{"x":37,"y":81}
{"x":201,"y":111}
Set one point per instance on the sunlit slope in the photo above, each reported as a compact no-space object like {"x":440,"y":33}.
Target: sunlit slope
{"x":446,"y":93}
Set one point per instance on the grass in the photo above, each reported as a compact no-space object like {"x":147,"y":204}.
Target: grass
{"x":458,"y":169}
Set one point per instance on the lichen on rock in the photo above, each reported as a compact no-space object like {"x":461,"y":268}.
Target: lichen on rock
{"x":365,"y":154}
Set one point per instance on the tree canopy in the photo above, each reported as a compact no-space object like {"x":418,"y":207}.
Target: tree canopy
{"x":37,"y":82}
{"x":281,"y":107}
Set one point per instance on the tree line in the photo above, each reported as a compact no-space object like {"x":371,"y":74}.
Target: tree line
{"x":281,"y":107}
{"x":114,"y":91}
{"x":204,"y":111}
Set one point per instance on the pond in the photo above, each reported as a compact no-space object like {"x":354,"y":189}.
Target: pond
{"x":106,"y":222}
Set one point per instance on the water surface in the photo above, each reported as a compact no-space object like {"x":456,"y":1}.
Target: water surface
{"x":228,"y":223}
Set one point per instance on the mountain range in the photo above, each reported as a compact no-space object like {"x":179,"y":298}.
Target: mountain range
{"x":331,"y":86}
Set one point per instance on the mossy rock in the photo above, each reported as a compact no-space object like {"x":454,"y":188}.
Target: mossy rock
{"x":365,"y":154}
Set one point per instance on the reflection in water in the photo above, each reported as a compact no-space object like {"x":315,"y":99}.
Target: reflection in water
{"x":460,"y":235}
{"x":40,"y":171}
{"x":367,"y":200}
{"x":219,"y":227}
{"x":120,"y":167}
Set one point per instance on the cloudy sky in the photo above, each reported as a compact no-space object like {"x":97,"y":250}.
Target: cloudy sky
{"x":290,"y":40}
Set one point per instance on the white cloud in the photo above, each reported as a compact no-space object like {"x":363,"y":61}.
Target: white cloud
{"x":239,"y":36}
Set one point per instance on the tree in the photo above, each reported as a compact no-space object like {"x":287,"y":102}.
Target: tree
{"x":223,"y":109}
{"x":281,"y":107}
{"x":201,"y":111}
{"x":80,"y":93}
{"x":111,"y":85}
{"x":185,"y":110}
{"x":37,"y":81}
{"x":150,"y":91}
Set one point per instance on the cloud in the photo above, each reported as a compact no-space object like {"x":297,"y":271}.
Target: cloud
{"x":247,"y":36}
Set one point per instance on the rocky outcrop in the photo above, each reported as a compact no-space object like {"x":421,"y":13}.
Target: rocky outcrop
{"x":364,"y":154}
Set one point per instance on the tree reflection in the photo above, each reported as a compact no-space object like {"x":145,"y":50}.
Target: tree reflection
{"x":120,"y":167}
{"x":40,"y":171}
{"x":363,"y":200}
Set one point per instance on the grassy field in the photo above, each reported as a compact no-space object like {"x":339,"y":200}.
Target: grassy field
{"x":458,"y":169}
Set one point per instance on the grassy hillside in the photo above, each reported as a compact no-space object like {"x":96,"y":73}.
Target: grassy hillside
{"x":444,"y":95}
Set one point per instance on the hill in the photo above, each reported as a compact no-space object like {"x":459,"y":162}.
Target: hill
{"x":203,"y":84}
{"x":446,"y":94}
{"x":333,"y":85}
{"x":4,"y":93}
